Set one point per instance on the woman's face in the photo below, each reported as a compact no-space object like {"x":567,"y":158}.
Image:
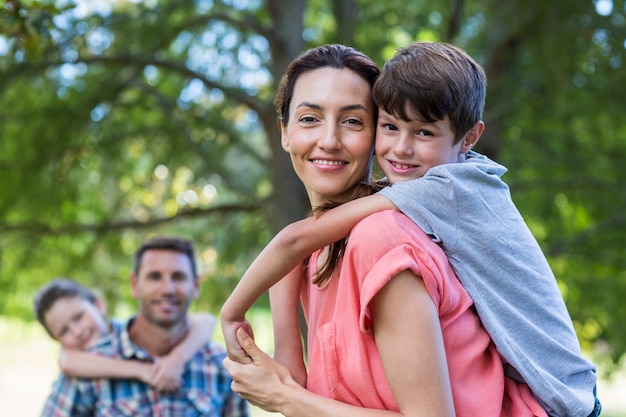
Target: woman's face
{"x":330,"y":132}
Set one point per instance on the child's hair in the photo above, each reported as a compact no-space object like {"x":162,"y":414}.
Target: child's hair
{"x":56,"y":290}
{"x":171,"y":243}
{"x":432,"y":80}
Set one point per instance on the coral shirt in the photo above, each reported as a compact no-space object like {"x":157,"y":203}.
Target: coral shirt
{"x":344,"y":363}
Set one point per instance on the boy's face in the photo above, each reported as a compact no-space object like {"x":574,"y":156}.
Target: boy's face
{"x":75,"y":322}
{"x":406,"y":150}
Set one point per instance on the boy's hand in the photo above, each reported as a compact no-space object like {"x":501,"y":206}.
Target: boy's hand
{"x":235,"y":352}
{"x":167,"y":374}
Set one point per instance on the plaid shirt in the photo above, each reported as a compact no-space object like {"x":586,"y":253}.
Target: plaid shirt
{"x":205,"y":389}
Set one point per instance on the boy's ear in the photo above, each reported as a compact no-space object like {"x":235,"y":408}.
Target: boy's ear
{"x":470,"y":139}
{"x":101,"y":305}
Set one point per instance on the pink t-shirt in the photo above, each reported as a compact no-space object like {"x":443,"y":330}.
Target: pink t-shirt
{"x":344,"y":363}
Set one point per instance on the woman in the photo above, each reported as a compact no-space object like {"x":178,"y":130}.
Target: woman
{"x":391,"y":315}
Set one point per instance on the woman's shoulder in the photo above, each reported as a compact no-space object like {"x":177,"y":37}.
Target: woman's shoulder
{"x":385,"y":223}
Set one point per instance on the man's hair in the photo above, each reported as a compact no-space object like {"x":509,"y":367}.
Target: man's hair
{"x":171,"y":243}
{"x":56,"y":290}
{"x":432,"y":80}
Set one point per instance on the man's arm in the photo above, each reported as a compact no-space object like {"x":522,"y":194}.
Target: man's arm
{"x":289,"y":247}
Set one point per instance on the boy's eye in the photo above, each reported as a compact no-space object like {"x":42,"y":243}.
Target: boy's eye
{"x":62,"y":333}
{"x":389,"y":126}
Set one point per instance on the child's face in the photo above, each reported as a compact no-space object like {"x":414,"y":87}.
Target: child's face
{"x":406,"y":150}
{"x":75,"y":322}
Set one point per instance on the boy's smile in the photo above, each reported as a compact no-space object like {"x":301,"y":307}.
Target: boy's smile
{"x":405,"y":150}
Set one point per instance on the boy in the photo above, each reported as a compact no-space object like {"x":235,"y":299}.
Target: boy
{"x":75,"y":317}
{"x":431,"y":97}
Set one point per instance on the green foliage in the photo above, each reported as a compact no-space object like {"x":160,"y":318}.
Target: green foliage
{"x":142,"y":118}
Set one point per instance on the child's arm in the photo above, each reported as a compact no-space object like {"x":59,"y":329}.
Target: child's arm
{"x":80,"y":364}
{"x":289,"y":247}
{"x":284,"y":296}
{"x":169,"y":369}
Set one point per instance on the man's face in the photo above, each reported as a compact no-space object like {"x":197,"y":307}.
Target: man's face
{"x":164,"y":287}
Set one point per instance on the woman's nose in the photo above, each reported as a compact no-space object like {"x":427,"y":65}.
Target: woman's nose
{"x":330,"y":139}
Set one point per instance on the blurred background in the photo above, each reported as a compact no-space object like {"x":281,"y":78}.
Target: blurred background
{"x":123,"y":119}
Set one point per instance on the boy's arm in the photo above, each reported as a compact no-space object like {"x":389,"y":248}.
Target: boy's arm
{"x":289,"y":247}
{"x":169,"y":369}
{"x":79,"y":364}
{"x":288,"y":351}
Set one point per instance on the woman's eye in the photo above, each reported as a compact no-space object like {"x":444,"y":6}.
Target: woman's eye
{"x":307,"y":119}
{"x":354,"y":122}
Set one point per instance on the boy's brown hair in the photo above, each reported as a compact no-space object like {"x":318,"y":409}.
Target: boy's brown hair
{"x":431,"y":80}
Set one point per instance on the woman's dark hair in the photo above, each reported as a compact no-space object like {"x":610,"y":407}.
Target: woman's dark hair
{"x":336,"y":250}
{"x":333,"y":56}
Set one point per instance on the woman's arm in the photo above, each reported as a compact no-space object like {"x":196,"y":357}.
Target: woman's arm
{"x":408,"y":336}
{"x":168,"y":371}
{"x":288,"y":351}
{"x":79,"y":364}
{"x":267,"y":384}
{"x":283,"y":253}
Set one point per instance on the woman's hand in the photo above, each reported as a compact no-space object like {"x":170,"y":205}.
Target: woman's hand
{"x":263,"y":381}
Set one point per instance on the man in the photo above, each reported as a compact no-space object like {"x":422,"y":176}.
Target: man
{"x":164,"y":281}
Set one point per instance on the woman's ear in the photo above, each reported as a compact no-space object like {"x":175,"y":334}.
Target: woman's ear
{"x":470,"y":139}
{"x":284,"y":140}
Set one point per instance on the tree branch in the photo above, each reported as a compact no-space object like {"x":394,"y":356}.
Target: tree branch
{"x":71,"y":229}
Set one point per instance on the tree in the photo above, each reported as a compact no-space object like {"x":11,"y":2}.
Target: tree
{"x":138,"y":118}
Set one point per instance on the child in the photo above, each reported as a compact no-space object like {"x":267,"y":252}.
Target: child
{"x":75,"y":316}
{"x":431,"y":98}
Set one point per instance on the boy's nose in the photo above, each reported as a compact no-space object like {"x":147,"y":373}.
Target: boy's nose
{"x":402,"y":146}
{"x":76,"y":330}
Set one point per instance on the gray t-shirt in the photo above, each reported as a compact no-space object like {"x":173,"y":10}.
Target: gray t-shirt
{"x":467,"y":209}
